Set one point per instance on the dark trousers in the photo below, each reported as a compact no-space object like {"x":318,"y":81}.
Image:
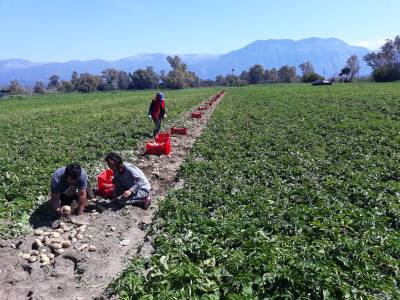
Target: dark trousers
{"x":157,"y":122}
{"x":134,"y":198}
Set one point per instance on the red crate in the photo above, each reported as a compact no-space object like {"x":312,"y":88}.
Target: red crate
{"x":196,"y":115}
{"x":177,"y":130}
{"x":161,"y":145}
{"x":163,"y":137}
{"x":156,"y":148}
{"x":105,"y":186}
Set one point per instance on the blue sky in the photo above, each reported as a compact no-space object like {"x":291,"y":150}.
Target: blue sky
{"x":61,"y":30}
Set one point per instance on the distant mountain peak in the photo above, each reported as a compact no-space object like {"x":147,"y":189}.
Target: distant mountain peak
{"x":327,"y":55}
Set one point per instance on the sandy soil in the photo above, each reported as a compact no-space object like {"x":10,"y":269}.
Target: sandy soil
{"x":117,"y":232}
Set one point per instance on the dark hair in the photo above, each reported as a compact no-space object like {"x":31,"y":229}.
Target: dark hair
{"x":114,"y":157}
{"x":73,"y":170}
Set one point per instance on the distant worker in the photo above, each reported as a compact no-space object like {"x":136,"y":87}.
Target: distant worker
{"x":157,"y":112}
{"x":70,"y":186}
{"x":131,"y":185}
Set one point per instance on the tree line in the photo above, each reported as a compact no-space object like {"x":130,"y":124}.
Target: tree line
{"x":385,"y":64}
{"x":178,"y":77}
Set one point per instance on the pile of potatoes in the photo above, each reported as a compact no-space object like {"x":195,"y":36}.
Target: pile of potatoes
{"x":52,"y":243}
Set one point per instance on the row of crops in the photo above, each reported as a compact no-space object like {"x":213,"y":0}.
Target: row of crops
{"x":40,"y":134}
{"x":292,"y":192}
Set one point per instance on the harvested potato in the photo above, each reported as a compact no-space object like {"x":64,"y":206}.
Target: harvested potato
{"x":47,"y":241}
{"x":57,"y":241}
{"x":79,"y":236}
{"x":59,"y":251}
{"x":50,"y":255}
{"x":81,"y":229}
{"x":59,"y":230}
{"x":26,"y":256}
{"x":66,"y":210}
{"x":44,"y":259}
{"x":55,"y":234}
{"x":92,"y":248}
{"x":79,"y":222}
{"x":66,"y":244}
{"x":55,"y":246}
{"x":38,"y":232}
{"x":32,"y":259}
{"x":34,"y":252}
{"x":43,"y":250}
{"x":37,"y":244}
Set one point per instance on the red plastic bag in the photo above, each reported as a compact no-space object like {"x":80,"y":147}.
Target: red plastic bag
{"x":105,"y":186}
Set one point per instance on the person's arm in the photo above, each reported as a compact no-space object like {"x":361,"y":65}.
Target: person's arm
{"x":150,"y":108}
{"x":56,"y":202}
{"x":162,"y":109}
{"x":135,"y":181}
{"x":82,"y":201}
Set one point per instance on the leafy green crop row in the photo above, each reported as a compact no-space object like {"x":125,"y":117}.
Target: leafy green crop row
{"x":40,"y":134}
{"x":292,"y":192}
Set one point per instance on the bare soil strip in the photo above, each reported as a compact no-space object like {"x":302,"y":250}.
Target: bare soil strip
{"x":118,"y":233}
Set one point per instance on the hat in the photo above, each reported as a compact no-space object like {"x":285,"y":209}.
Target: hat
{"x":160,"y":95}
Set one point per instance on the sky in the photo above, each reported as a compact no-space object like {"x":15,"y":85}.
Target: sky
{"x":63,"y":30}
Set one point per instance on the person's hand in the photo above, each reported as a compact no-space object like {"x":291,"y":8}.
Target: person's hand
{"x":127,"y":193}
{"x":165,"y":116}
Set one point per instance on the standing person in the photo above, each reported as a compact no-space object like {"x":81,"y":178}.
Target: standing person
{"x":131,"y":185}
{"x":157,"y":112}
{"x":70,"y":186}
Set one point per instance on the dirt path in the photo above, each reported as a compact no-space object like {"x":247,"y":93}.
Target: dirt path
{"x":118,"y":233}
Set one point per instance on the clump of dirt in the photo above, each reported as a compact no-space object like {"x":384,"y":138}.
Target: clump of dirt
{"x":79,"y":257}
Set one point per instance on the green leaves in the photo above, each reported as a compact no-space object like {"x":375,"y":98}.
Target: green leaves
{"x":40,"y":134}
{"x":296,"y":196}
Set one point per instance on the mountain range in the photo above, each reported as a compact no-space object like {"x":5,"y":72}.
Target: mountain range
{"x":328,"y":56}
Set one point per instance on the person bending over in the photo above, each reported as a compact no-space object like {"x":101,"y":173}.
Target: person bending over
{"x":70,"y":186}
{"x":131,"y":185}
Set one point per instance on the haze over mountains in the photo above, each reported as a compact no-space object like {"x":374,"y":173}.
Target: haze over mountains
{"x":328,"y":55}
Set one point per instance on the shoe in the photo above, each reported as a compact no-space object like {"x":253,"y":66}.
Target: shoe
{"x":146,"y":203}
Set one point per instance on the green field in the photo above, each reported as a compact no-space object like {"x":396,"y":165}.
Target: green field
{"x":40,"y":134}
{"x":292,"y":192}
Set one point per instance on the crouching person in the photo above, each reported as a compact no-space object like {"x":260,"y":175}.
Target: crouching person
{"x":131,"y":185}
{"x":70,"y":186}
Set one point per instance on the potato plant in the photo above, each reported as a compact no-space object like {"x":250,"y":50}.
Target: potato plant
{"x":292,"y":192}
{"x":40,"y":134}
